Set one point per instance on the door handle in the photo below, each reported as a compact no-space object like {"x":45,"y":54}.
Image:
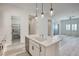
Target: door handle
{"x":40,"y":49}
{"x":32,"y":47}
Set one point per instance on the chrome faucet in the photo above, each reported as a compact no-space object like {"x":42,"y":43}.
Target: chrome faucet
{"x":42,"y":36}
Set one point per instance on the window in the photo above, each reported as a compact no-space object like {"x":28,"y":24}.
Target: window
{"x":74,"y":27}
{"x":67,"y":26}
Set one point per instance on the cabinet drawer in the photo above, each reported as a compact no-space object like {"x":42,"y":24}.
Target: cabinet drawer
{"x":34,"y":43}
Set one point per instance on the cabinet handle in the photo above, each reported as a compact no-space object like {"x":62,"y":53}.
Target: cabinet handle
{"x":32,"y":47}
{"x":40,"y":49}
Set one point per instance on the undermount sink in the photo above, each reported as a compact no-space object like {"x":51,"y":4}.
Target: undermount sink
{"x":39,"y":39}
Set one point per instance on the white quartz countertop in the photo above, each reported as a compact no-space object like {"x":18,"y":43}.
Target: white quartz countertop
{"x":45,"y":42}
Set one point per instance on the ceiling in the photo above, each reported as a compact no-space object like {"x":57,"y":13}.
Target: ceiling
{"x":60,"y":9}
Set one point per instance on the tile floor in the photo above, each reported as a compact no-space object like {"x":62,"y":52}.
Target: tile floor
{"x":23,"y":54}
{"x":68,"y":48}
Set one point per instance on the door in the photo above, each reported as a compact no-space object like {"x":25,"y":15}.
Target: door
{"x":15,"y":29}
{"x":36,"y":51}
{"x":49,"y":27}
{"x":42,"y":50}
{"x":32,"y":25}
{"x":33,"y":49}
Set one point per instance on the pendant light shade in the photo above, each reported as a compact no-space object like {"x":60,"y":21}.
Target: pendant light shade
{"x":42,"y":13}
{"x":51,"y":10}
{"x":36,"y":17}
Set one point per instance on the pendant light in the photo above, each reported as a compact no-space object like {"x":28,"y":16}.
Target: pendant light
{"x":42,"y":13}
{"x":51,"y":10}
{"x":36,"y":17}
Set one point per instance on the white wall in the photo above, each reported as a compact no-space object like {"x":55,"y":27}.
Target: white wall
{"x":9,"y":11}
{"x":1,"y":25}
{"x":42,"y":26}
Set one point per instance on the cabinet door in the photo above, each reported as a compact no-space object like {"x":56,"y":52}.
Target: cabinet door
{"x":33,"y":49}
{"x":36,"y":51}
{"x":27,"y":44}
{"x":42,"y":51}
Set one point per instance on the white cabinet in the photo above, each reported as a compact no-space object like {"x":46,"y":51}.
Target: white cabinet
{"x":37,"y":49}
{"x":42,"y":50}
{"x":52,"y":50}
{"x":33,"y":48}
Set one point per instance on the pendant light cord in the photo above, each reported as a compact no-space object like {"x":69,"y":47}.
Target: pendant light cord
{"x":42,"y":7}
{"x":51,"y":5}
{"x":36,"y":9}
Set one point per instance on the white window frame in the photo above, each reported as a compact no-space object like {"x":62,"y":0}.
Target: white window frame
{"x":67,"y":26}
{"x":74,"y":27}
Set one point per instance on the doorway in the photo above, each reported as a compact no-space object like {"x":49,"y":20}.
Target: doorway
{"x":32,"y":25}
{"x":15,"y":25}
{"x":49,"y":27}
{"x":55,"y":29}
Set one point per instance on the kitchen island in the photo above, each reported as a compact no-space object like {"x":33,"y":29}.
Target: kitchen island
{"x":38,"y":46}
